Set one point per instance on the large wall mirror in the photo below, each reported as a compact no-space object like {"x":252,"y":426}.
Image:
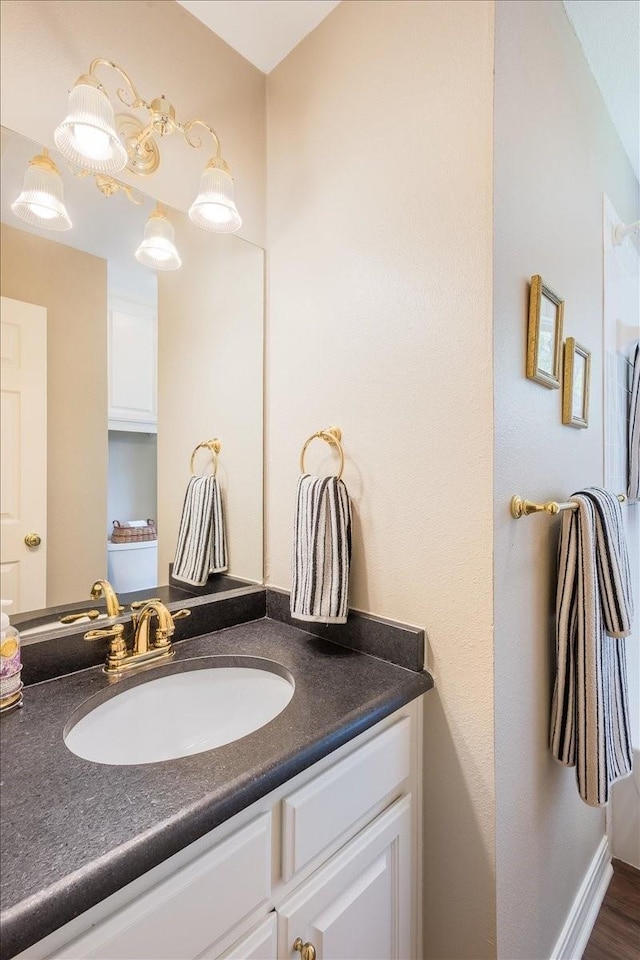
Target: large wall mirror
{"x":112,"y":373}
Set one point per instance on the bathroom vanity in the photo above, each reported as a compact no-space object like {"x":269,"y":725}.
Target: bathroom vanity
{"x":302,"y":836}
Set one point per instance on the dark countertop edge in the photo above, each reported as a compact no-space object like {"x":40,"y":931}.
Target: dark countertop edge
{"x":154,"y":846}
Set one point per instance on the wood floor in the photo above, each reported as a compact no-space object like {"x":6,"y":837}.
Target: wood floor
{"x":616,"y":935}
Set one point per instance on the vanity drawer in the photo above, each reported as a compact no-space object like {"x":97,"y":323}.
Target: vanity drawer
{"x":181,"y":916}
{"x":317,"y":814}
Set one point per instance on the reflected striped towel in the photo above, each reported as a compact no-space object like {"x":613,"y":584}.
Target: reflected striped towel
{"x":594,"y":609}
{"x":321,"y":551}
{"x":202,"y":546}
{"x":634,"y":429}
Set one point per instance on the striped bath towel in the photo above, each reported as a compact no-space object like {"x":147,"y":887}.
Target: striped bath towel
{"x":202,"y":546}
{"x":321,"y":551}
{"x":634,"y":428}
{"x":594,"y":610}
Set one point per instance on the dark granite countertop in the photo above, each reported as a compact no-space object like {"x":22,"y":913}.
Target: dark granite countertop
{"x":73,"y":832}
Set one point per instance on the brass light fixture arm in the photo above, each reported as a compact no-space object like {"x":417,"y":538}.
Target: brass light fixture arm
{"x":196,"y":141}
{"x":107,"y":185}
{"x":130,"y":98}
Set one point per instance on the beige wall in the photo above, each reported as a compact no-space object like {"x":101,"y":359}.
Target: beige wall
{"x":379,"y":213}
{"x":46,"y":46}
{"x":73,"y":287}
{"x":555,"y":153}
{"x":210,"y":340}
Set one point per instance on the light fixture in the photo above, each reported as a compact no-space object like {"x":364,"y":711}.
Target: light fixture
{"x":93,"y":137}
{"x":214,"y":208}
{"x":108,"y":185}
{"x":87,"y":135}
{"x":158,"y":249}
{"x":41,"y":202}
{"x":621,"y":231}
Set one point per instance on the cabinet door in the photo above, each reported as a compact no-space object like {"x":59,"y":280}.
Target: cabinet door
{"x":260,"y":944}
{"x":132,"y":364}
{"x":359,"y":905}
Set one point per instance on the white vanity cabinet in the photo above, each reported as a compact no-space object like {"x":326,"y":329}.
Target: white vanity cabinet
{"x":133,"y":361}
{"x":332,"y":857}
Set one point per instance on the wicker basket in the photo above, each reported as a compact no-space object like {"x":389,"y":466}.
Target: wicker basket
{"x":121,"y":534}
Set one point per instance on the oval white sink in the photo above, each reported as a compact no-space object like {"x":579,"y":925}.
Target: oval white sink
{"x":179,"y":715}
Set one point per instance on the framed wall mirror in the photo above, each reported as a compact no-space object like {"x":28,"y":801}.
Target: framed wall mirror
{"x":544,"y":340}
{"x":576,"y":384}
{"x":130,"y":369}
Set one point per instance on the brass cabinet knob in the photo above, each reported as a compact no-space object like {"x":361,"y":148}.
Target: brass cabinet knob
{"x":306,"y":950}
{"x":33,"y":540}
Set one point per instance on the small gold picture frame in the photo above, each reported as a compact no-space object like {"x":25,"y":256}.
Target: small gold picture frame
{"x":575,"y":388}
{"x":544,"y":340}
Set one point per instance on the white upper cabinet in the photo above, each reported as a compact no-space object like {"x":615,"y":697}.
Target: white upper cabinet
{"x":133,"y":363}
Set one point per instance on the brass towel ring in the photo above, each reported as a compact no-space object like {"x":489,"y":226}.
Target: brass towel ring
{"x":212,"y":445}
{"x":332,"y":436}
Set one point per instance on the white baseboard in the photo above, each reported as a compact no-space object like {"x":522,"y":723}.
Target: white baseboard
{"x":584,"y":910}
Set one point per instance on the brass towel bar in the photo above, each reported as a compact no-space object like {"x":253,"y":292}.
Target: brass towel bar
{"x":524,"y":508}
{"x":212,"y":445}
{"x":332,"y":436}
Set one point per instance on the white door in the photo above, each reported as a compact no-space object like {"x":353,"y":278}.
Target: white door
{"x":23,"y":509}
{"x":358,"y":906}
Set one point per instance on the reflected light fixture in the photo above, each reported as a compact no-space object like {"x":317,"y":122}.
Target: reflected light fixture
{"x":158,"y":249}
{"x":41,"y":202}
{"x":93,"y":137}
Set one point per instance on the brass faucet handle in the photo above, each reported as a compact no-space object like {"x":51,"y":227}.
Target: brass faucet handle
{"x":84,"y":615}
{"x":116,"y":631}
{"x":180,"y":615}
{"x":138,"y":604}
{"x":117,"y":648}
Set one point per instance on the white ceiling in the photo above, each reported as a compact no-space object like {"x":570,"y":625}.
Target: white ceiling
{"x":263,"y":31}
{"x":609,"y":31}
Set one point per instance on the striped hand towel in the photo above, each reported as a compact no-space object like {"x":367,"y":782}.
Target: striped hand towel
{"x":202,"y":546}
{"x":634,"y":429}
{"x":594,"y":610}
{"x":321,"y":551}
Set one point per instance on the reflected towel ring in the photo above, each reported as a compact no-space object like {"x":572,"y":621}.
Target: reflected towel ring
{"x":212,"y":445}
{"x":332,"y":436}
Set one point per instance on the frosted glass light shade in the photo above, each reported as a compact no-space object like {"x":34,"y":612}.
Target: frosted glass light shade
{"x":158,"y":249}
{"x":214,"y":208}
{"x":41,"y":202}
{"x":87,"y":135}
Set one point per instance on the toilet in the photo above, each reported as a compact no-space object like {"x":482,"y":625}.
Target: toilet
{"x":132,"y":566}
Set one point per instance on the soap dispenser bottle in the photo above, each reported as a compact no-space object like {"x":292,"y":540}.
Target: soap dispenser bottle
{"x":10,"y":664}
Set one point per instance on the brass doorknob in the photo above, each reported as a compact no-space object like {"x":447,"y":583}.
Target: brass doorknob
{"x":32,"y":540}
{"x":306,"y":950}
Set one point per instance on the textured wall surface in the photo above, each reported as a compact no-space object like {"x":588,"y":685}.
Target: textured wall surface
{"x":555,"y":154}
{"x":166,"y":51}
{"x":72,"y":285}
{"x":379,"y":213}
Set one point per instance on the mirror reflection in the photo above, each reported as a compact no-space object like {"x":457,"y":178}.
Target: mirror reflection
{"x":113,"y":374}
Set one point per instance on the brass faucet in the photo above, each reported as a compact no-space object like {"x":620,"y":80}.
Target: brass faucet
{"x":102,"y":588}
{"x":164,"y":630}
{"x":143,"y":649}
